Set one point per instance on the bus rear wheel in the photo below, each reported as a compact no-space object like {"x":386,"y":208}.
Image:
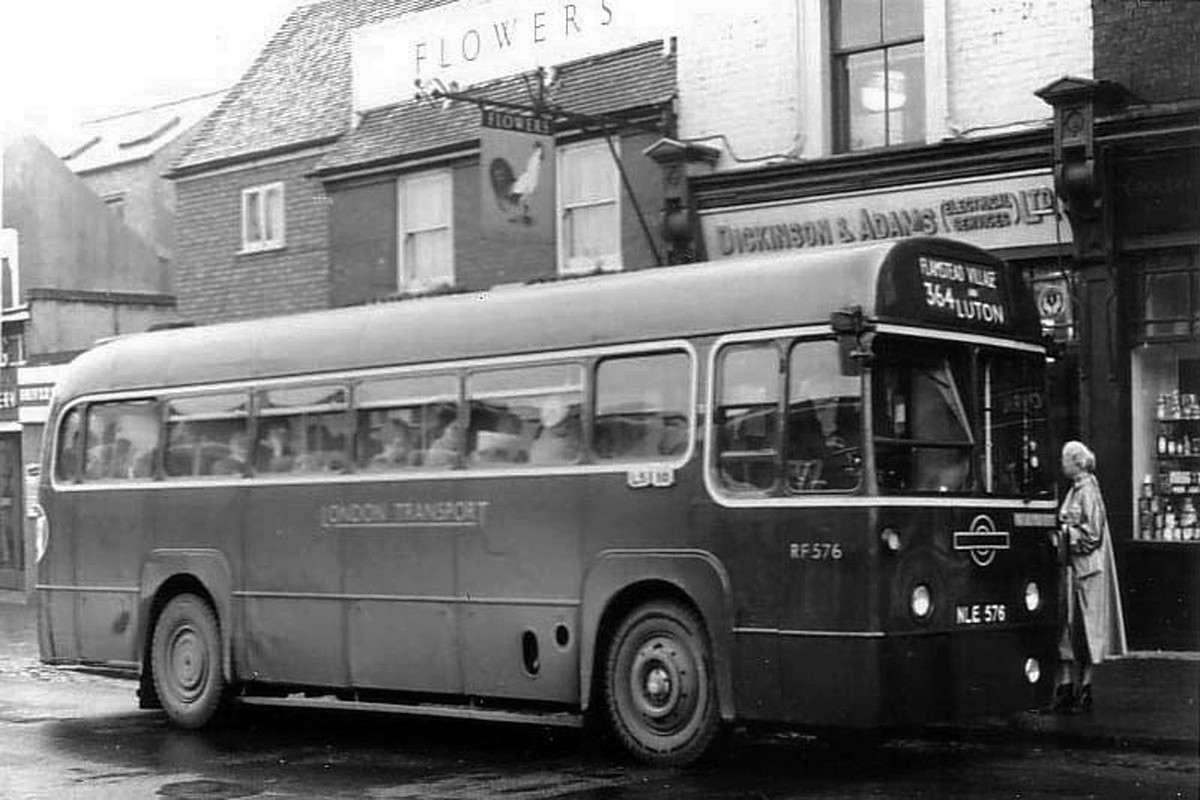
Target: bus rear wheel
{"x":658,"y":684}
{"x":185,"y":661}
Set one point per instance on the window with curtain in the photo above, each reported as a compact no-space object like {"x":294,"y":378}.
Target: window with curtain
{"x":590,"y":234}
{"x":426,"y":246}
{"x":878,"y":72}
{"x":262,"y":218}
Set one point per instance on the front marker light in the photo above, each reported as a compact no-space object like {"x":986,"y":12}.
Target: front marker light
{"x":1033,"y":596}
{"x":891,"y":538}
{"x":41,"y":535}
{"x":921,"y":601}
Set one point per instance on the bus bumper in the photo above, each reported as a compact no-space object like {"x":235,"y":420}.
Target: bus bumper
{"x":952,"y":676}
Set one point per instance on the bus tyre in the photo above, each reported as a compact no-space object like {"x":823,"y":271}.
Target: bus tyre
{"x":658,"y":685}
{"x":185,"y":660}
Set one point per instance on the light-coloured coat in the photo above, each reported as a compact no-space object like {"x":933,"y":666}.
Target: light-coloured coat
{"x":1092,"y":592}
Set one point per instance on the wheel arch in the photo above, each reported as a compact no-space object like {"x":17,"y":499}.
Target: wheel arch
{"x":620,"y":580}
{"x":170,"y":572}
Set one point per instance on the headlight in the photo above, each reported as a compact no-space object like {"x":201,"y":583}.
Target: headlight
{"x":921,"y":601}
{"x":1033,"y":670}
{"x":1033,"y":596}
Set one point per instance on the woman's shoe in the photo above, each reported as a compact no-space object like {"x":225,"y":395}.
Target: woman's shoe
{"x":1084,"y":701}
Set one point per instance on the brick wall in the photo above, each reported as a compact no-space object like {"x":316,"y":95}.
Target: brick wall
{"x":215,"y":281}
{"x":1000,"y":51}
{"x":1151,"y":48}
{"x":362,"y":228}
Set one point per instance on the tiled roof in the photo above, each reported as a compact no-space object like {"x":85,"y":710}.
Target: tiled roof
{"x":133,"y":135}
{"x":637,"y":77}
{"x":298,"y":89}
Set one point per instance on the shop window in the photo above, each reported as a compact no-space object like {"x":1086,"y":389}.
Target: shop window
{"x":122,"y":441}
{"x":824,"y":421}
{"x":1166,"y":440}
{"x":12,"y":344}
{"x":207,"y":435}
{"x":878,"y":70}
{"x":302,"y":430}
{"x":10,"y":282}
{"x":590,"y":235}
{"x":426,"y":246}
{"x":526,"y":417}
{"x":262,"y":218}
{"x":642,"y":407}
{"x":746,"y":418}
{"x":1167,"y":285}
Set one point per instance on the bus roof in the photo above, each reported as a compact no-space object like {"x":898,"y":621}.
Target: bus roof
{"x":642,"y":305}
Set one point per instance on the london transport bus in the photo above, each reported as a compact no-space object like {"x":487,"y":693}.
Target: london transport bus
{"x":812,"y":491}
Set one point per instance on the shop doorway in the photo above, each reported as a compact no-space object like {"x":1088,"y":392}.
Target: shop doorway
{"x":12,"y":539}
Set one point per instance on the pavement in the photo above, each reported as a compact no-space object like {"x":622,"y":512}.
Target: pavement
{"x":1146,"y":701}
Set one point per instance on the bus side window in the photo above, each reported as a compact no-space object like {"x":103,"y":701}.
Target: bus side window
{"x":824,"y":421}
{"x":529,"y":416}
{"x":643,"y":405}
{"x":69,"y":436}
{"x":407,"y":423}
{"x":207,"y":435}
{"x":303,"y":429}
{"x":122,"y":441}
{"x":746,"y":417}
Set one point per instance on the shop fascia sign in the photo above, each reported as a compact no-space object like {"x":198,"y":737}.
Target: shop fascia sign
{"x":991,"y":212}
{"x":473,"y":41}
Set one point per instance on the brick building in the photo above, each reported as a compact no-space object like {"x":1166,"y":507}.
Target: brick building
{"x":293,"y":195}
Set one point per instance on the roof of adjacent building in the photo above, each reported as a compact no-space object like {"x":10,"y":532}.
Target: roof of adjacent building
{"x":297,"y":93}
{"x":633,"y":78}
{"x":132,"y":135}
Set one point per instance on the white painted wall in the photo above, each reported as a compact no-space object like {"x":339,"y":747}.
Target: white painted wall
{"x":756,"y":72}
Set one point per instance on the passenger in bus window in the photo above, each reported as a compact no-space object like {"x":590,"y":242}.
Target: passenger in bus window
{"x":448,"y":443}
{"x":496,"y":436}
{"x":234,"y":462}
{"x":559,"y":436}
{"x":275,"y":452}
{"x":398,"y":448}
{"x":674,"y":436}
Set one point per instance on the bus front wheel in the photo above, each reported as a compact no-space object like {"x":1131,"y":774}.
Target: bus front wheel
{"x":659,"y":688}
{"x":185,"y":661}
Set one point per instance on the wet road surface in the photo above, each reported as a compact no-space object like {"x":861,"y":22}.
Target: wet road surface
{"x":66,"y":734}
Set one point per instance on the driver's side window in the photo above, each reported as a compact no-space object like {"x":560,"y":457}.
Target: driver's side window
{"x":824,"y":421}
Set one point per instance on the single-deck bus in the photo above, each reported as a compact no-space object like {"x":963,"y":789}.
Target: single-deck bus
{"x":811,"y":490}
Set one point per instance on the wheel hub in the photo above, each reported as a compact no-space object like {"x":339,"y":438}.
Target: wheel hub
{"x":189,"y":663}
{"x":659,"y":679}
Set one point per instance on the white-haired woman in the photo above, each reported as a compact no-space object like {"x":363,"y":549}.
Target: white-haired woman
{"x":1093,"y":628}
